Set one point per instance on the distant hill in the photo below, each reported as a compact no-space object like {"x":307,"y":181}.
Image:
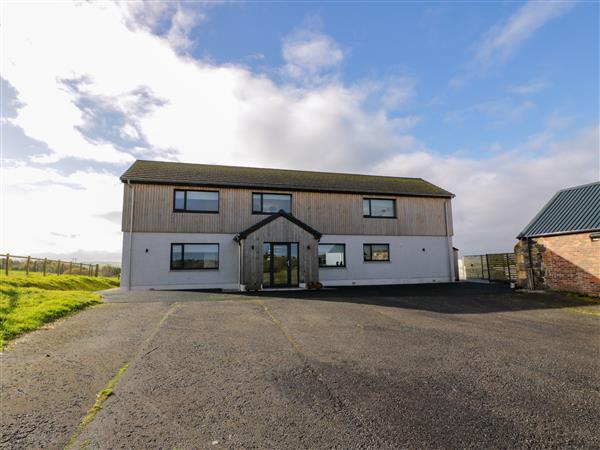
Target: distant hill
{"x":85,"y":256}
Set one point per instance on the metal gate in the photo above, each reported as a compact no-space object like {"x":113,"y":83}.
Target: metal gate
{"x":491,"y":267}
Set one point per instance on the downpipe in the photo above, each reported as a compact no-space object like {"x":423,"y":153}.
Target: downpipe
{"x":451,"y":273}
{"x":130,"y":256}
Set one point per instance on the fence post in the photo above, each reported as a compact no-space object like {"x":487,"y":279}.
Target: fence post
{"x":58,"y":268}
{"x":6,"y":264}
{"x":27,"y":265}
{"x":71,"y":267}
{"x":45,"y":263}
{"x":487,"y":262}
{"x":97,"y":267}
{"x":80,"y":268}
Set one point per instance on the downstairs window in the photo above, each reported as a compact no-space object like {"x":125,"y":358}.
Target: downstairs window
{"x":332,"y":255}
{"x":376,"y":252}
{"x":194,"y":256}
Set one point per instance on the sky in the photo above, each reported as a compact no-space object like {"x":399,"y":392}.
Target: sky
{"x":497,"y":102}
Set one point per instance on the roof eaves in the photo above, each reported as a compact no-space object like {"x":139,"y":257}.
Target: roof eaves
{"x":560,"y":233}
{"x":273,"y":186}
{"x":281,"y":213}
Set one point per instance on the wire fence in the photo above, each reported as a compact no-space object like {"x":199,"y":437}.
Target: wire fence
{"x":28,"y":264}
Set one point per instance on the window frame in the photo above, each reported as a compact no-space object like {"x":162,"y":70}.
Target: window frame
{"x":331,"y":267}
{"x":370,"y":216}
{"x":199,"y":211}
{"x":370,"y":244}
{"x":261,"y":212}
{"x":183,"y":244}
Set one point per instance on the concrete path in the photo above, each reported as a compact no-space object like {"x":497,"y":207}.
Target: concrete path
{"x":381,"y":368}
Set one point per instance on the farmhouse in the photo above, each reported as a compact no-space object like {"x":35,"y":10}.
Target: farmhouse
{"x":560,"y":248}
{"x":196,"y":226}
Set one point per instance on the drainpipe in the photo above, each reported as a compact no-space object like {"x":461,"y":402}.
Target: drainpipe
{"x":450,"y":251}
{"x":130,"y":234}
{"x":240,"y":252}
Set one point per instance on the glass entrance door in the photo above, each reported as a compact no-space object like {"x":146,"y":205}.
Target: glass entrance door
{"x":280,"y":264}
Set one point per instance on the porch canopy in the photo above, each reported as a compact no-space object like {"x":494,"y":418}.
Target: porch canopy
{"x":280,"y":228}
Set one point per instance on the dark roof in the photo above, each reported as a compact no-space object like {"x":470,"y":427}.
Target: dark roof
{"x":248,"y":231}
{"x":572,"y":210}
{"x":159,"y":172}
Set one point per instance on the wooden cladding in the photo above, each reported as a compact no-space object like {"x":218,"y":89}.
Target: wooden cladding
{"x":328,"y":213}
{"x":280,"y":230}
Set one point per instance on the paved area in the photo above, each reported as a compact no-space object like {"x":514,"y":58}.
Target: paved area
{"x":442,"y":366}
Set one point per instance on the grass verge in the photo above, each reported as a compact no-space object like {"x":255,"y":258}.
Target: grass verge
{"x":28,"y":302}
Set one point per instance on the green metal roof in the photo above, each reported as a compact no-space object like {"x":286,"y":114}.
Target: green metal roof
{"x":159,"y":172}
{"x":571,"y":210}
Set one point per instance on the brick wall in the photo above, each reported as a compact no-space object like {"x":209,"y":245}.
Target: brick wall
{"x":568,"y":262}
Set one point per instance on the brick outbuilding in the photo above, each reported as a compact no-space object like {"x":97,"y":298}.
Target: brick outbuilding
{"x":560,"y":248}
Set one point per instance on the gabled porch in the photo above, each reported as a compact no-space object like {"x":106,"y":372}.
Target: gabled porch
{"x":278,"y":252}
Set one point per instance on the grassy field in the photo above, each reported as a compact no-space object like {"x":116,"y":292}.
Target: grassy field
{"x":28,"y":302}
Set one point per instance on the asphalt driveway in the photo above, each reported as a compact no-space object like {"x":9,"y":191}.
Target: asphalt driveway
{"x":442,"y":366}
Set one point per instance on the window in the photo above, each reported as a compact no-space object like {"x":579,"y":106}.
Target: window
{"x":376,"y":252}
{"x":194,"y":256}
{"x":332,"y":255}
{"x":196,"y":201}
{"x":379,"y":207}
{"x":271,"y":203}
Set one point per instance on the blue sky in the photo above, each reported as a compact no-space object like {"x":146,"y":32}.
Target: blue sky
{"x":433,"y":43}
{"x":494,"y":101}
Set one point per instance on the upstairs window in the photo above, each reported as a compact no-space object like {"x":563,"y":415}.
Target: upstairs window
{"x":271,"y":203}
{"x":196,"y":201}
{"x":332,"y":255}
{"x":379,"y":207}
{"x":376,"y":252}
{"x":194,"y":256}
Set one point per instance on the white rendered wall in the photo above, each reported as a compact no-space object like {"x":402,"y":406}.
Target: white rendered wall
{"x":151,"y":269}
{"x":408,"y":262}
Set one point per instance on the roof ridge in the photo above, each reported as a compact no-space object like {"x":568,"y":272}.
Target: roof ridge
{"x":579,"y":186}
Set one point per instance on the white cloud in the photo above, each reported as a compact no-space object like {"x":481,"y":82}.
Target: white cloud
{"x":532,"y":87}
{"x":389,"y":93}
{"x":501,"y":41}
{"x":172,"y":19}
{"x":497,"y":196}
{"x":106,"y":69}
{"x":398,"y":92}
{"x":43,"y":210}
{"x":221,"y":114}
{"x":209,"y":113}
{"x":558,"y":121}
{"x":182,"y":24}
{"x":309,"y":54}
{"x":499,"y":111}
